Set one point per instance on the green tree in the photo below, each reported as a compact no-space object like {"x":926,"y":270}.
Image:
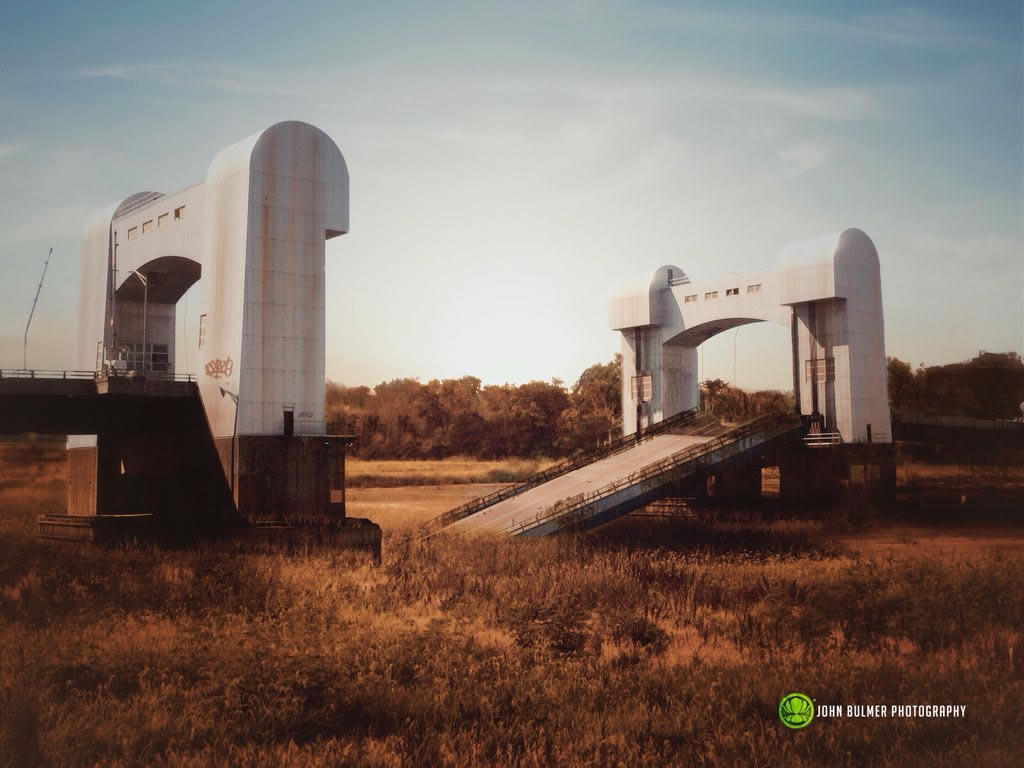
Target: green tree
{"x":594,"y":413}
{"x":902,"y":386}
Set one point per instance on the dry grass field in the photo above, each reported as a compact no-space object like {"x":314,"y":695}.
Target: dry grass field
{"x":388,"y":474}
{"x":651,"y":643}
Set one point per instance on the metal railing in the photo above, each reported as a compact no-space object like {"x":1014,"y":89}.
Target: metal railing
{"x":822,"y":439}
{"x":561,"y":468}
{"x":113,"y":373}
{"x":41,"y":373}
{"x":769,"y":427}
{"x":966,"y":422}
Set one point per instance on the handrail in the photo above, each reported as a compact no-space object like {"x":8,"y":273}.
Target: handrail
{"x":771,"y":425}
{"x":113,"y":373}
{"x":563,"y":467}
{"x":968,"y":422}
{"x":822,"y":439}
{"x":41,"y":373}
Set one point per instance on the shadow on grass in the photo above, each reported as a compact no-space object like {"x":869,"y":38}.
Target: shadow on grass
{"x":719,"y":537}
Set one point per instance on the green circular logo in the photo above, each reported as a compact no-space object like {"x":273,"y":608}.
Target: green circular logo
{"x":796,"y":710}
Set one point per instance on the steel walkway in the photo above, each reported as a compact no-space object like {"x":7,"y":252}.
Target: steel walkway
{"x":613,"y":485}
{"x":573,"y":463}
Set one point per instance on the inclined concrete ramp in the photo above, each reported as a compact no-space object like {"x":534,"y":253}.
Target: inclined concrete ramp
{"x":521,"y":510}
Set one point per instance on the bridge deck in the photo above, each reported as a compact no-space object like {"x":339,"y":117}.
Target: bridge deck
{"x":625,"y":481}
{"x":82,"y":402}
{"x":528,"y":504}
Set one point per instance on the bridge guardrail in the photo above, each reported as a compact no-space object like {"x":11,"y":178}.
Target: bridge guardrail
{"x":772,"y":425}
{"x":563,"y":467}
{"x":42,"y":373}
{"x":45,"y":373}
{"x":822,"y":439}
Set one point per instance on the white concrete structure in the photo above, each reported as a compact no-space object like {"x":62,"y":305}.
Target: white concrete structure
{"x":253,"y":233}
{"x":828,"y":290}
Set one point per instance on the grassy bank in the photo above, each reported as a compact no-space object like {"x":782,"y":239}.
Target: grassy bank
{"x":664,"y":644}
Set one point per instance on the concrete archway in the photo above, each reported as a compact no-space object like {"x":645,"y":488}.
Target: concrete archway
{"x":828,"y":290}
{"x":143,"y":309}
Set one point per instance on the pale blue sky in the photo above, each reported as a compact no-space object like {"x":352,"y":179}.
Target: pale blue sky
{"x":512,"y":164}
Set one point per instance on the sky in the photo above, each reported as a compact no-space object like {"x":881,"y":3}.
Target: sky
{"x":513,"y":165}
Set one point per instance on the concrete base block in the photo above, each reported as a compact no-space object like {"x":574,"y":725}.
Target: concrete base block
{"x":285,"y":479}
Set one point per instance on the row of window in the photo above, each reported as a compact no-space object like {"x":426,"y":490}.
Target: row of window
{"x":131,"y":358}
{"x":642,"y":386}
{"x":692,"y":298}
{"x":161,"y":221}
{"x":822,"y":369}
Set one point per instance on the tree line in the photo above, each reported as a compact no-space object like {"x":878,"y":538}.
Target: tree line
{"x":989,"y":386}
{"x":409,"y":419}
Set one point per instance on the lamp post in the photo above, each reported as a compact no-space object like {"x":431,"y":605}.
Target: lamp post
{"x":145,"y":313}
{"x":234,"y":436}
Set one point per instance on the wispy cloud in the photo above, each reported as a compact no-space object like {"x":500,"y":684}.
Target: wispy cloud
{"x":802,"y":158}
{"x":991,"y":249}
{"x":9,"y":148}
{"x":217,"y":76}
{"x":254,"y":87}
{"x":900,"y":27}
{"x":830,"y":103}
{"x":122,"y":72}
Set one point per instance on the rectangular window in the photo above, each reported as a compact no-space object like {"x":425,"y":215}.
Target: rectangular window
{"x":642,"y":386}
{"x":754,"y":288}
{"x":690,"y":299}
{"x":179,"y":213}
{"x":147,"y":226}
{"x":162,"y":219}
{"x":822,"y":369}
{"x":711,"y":295}
{"x":158,"y":357}
{"x":732,"y":291}
{"x":133,"y":233}
{"x":202,"y":331}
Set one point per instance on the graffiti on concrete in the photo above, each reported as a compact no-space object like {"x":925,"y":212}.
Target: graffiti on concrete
{"x":218,"y":368}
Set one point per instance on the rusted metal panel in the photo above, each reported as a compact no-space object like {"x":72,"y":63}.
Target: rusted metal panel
{"x":81,"y":469}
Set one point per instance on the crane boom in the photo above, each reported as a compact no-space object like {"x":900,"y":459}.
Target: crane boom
{"x":39,"y":288}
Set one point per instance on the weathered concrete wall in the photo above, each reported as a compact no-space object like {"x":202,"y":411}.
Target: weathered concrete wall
{"x":285,"y":479}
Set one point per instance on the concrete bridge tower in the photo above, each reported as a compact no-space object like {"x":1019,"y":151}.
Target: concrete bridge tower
{"x":252,"y":233}
{"x":826,"y":290}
